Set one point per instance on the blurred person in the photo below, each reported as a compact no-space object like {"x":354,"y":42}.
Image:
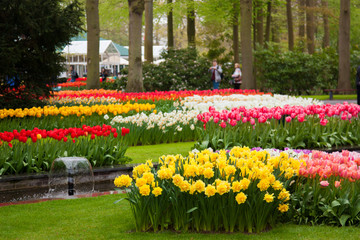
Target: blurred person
{"x":103,"y":75}
{"x":237,"y":76}
{"x":215,"y":72}
{"x":73,"y":74}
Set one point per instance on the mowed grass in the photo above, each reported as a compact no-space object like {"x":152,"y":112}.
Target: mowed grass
{"x":140,"y":154}
{"x":100,"y":218}
{"x":336,"y":97}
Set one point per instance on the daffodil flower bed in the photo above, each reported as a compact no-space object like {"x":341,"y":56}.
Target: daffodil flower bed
{"x":240,"y":190}
{"x":159,"y":127}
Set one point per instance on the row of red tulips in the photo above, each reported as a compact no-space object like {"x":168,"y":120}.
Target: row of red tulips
{"x":61,"y":134}
{"x":161,"y":95}
{"x":72,"y":84}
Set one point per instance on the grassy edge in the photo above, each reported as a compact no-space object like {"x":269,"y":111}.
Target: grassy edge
{"x":100,"y":218}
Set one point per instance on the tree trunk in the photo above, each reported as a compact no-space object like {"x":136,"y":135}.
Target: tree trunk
{"x":275,"y":36}
{"x":326,"y":39}
{"x":246,"y":48}
{"x":302,"y":24}
{"x":268,"y":23}
{"x":135,"y":81}
{"x":254,"y":25}
{"x":236,"y":7}
{"x":259,"y":24}
{"x":93,"y":36}
{"x":149,"y":31}
{"x":344,"y":45}
{"x":310,"y":28}
{"x":191,"y":23}
{"x":290,"y":25}
{"x":170,"y":29}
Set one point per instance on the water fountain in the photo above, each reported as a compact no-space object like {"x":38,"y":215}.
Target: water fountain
{"x":70,"y":176}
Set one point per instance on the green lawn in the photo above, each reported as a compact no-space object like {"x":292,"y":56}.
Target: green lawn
{"x":140,"y":154}
{"x":100,"y":218}
{"x":336,"y":97}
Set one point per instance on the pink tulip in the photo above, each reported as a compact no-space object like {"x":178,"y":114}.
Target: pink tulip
{"x":323,"y":121}
{"x":277,"y":116}
{"x":301,"y":117}
{"x":252,"y":121}
{"x":223,"y":124}
{"x":233,"y":122}
{"x":324,"y":183}
{"x":262,"y":119}
{"x":288,"y":119}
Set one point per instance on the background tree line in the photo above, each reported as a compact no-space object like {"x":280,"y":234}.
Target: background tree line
{"x":231,"y":30}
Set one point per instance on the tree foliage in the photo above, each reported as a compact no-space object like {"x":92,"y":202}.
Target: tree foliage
{"x":32,"y":34}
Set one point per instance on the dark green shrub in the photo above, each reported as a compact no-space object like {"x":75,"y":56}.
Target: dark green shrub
{"x":298,"y":72}
{"x":182,"y":69}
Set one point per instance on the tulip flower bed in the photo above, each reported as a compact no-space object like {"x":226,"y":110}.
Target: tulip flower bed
{"x":50,"y":117}
{"x":175,"y":126}
{"x":71,"y":84}
{"x":153,"y":96}
{"x":82,"y":79}
{"x":328,"y":189}
{"x":228,"y":102}
{"x":34,"y":150}
{"x":241,"y":190}
{"x":160,"y":127}
{"x":314,"y":126}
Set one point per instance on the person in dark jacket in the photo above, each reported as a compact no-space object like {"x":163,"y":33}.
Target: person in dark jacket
{"x":358,"y":85}
{"x":73,"y":74}
{"x":103,"y":75}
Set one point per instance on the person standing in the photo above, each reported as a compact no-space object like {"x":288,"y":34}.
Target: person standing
{"x":73,"y":74}
{"x":237,"y":76}
{"x":103,"y":75}
{"x":358,"y":85}
{"x":215,"y":71}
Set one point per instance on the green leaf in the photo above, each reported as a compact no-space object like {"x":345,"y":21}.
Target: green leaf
{"x":192,"y":209}
{"x":117,"y":201}
{"x":343,"y":219}
{"x":335,"y":203}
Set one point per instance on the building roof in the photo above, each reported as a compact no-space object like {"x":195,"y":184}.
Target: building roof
{"x":122,"y":50}
{"x":80,"y":47}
